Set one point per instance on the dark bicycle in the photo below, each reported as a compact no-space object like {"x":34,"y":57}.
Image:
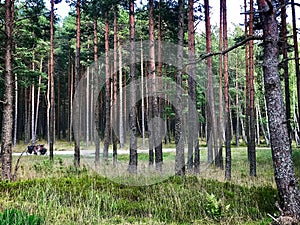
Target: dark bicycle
{"x":36,"y":149}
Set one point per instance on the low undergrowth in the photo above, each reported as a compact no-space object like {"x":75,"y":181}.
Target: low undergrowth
{"x":92,"y":199}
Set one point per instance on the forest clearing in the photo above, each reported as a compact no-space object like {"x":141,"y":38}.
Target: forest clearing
{"x":128,"y":112}
{"x":56,"y":193}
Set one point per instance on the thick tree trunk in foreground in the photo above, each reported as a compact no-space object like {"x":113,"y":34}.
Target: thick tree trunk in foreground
{"x":286,"y":182}
{"x":7,"y":121}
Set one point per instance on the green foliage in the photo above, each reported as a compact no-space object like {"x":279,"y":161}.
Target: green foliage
{"x":212,"y":206}
{"x":85,"y":199}
{"x":17,"y":217}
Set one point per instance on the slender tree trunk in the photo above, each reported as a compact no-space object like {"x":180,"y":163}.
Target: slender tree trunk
{"x":227,"y":103}
{"x":33,"y":139}
{"x":96,"y":90}
{"x":77,"y":78}
{"x":52,"y":99}
{"x":286,"y":68}
{"x":158,"y":148}
{"x":143,"y":100}
{"x":87,"y":109}
{"x":48,"y":105}
{"x":38,"y":99}
{"x":247,"y":94}
{"x":210,"y":93}
{"x":296,"y":127}
{"x":133,"y":156}
{"x":251,"y":142}
{"x":149,"y":116}
{"x":237,"y":130}
{"x":16,"y":111}
{"x":243,"y":131}
{"x":154,"y":100}
{"x":71,"y":84}
{"x":179,"y":134}
{"x":58,"y":109}
{"x":193,"y":143}
{"x":108,"y":91}
{"x":221,"y":120}
{"x":7,"y":121}
{"x":115,"y":72}
{"x":257,"y":128}
{"x":262,"y":125}
{"x":121,"y":115}
{"x":287,"y":184}
{"x":296,"y":52}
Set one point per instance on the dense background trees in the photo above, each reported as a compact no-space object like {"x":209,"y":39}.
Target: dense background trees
{"x":43,"y":60}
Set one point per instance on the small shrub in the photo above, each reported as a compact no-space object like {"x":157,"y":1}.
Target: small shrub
{"x":212,"y":206}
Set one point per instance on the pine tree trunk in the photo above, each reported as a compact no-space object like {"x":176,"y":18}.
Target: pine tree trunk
{"x":38,"y":99}
{"x":262,"y":125}
{"x":221,"y":120}
{"x":296,"y":53}
{"x":143,"y":100}
{"x":286,"y":67}
{"x":247,"y":89}
{"x":107,"y":90}
{"x":121,"y":114}
{"x":193,"y":143}
{"x":158,"y":148}
{"x":287,"y":184}
{"x":77,"y":78}
{"x":52,"y":104}
{"x":96,"y":90}
{"x":33,"y":139}
{"x":133,"y":156}
{"x":257,"y":129}
{"x":153,"y":89}
{"x":251,"y":142}
{"x":237,"y":130}
{"x":227,"y":103}
{"x":16,"y":112}
{"x":210,"y":93}
{"x":7,"y":121}
{"x":115,"y":72}
{"x":179,"y":134}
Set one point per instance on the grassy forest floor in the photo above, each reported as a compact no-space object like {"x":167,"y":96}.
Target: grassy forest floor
{"x":56,"y":193}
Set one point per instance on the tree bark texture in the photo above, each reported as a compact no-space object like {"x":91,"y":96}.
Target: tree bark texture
{"x":286,"y":182}
{"x":179,"y":133}
{"x":7,"y":121}
{"x":133,"y":156}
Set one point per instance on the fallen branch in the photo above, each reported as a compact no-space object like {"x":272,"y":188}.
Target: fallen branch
{"x":14,"y":176}
{"x":273,"y":218}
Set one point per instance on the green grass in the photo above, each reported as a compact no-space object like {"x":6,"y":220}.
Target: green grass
{"x":86,"y":199}
{"x":57,"y":193}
